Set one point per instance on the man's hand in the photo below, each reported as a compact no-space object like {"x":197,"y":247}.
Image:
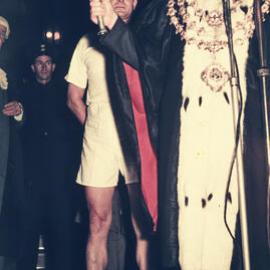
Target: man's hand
{"x":13,"y":108}
{"x":103,"y":9}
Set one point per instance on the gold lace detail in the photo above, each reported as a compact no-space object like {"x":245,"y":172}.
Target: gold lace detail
{"x":265,"y":7}
{"x":201,"y":23}
{"x":215,"y":77}
{"x":181,"y":12}
{"x":3,"y":80}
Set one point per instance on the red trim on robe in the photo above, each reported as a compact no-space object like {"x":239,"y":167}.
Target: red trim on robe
{"x":147,"y":154}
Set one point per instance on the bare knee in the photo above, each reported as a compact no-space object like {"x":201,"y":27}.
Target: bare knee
{"x":99,"y":201}
{"x":99,"y":222}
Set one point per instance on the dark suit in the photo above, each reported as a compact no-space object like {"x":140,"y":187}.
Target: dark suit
{"x":49,"y":171}
{"x":11,"y":184}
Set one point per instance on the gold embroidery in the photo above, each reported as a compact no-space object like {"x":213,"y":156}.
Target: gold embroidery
{"x":214,"y":18}
{"x":201,"y":24}
{"x":215,"y":76}
{"x":212,"y":46}
{"x":265,"y":8}
{"x":3,"y":80}
{"x":180,"y":11}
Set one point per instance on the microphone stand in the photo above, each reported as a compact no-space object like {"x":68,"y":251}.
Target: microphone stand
{"x":263,"y":73}
{"x":237,"y":110}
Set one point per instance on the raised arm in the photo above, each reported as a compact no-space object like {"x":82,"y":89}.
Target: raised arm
{"x":137,"y":45}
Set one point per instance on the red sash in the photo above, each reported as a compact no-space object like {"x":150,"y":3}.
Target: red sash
{"x":147,"y":155}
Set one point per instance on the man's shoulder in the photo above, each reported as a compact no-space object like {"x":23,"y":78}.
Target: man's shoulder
{"x":89,"y":45}
{"x":87,"y":41}
{"x":28,"y":83}
{"x":150,"y":13}
{"x":150,"y":8}
{"x":58,"y":83}
{"x":27,"y":88}
{"x":84,"y":41}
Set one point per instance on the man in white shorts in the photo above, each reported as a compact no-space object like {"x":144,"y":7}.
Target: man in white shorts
{"x":102,"y":158}
{"x":101,"y":154}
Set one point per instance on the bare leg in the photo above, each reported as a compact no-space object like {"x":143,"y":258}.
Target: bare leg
{"x":140,"y":226}
{"x":99,"y":202}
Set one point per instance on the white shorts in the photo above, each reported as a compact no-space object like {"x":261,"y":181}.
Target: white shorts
{"x":102,"y":158}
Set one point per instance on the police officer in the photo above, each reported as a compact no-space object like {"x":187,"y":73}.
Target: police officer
{"x":49,"y":161}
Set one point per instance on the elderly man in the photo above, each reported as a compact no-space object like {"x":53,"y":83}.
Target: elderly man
{"x":110,"y":147}
{"x":181,"y":50}
{"x":10,"y":165}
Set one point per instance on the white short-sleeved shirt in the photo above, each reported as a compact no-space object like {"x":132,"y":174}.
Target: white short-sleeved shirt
{"x":102,"y":156}
{"x":87,"y":69}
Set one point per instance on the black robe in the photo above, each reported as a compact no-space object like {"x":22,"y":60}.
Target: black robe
{"x":47,"y":136}
{"x":152,"y":47}
{"x":11,"y":174}
{"x":122,"y":109}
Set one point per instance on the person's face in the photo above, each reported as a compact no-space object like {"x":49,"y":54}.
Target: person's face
{"x":3,"y":31}
{"x":124,"y":8}
{"x":43,"y":68}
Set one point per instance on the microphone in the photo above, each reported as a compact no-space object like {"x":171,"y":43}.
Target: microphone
{"x":102,"y":29}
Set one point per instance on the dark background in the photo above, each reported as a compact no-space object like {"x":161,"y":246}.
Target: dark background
{"x":30,"y":19}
